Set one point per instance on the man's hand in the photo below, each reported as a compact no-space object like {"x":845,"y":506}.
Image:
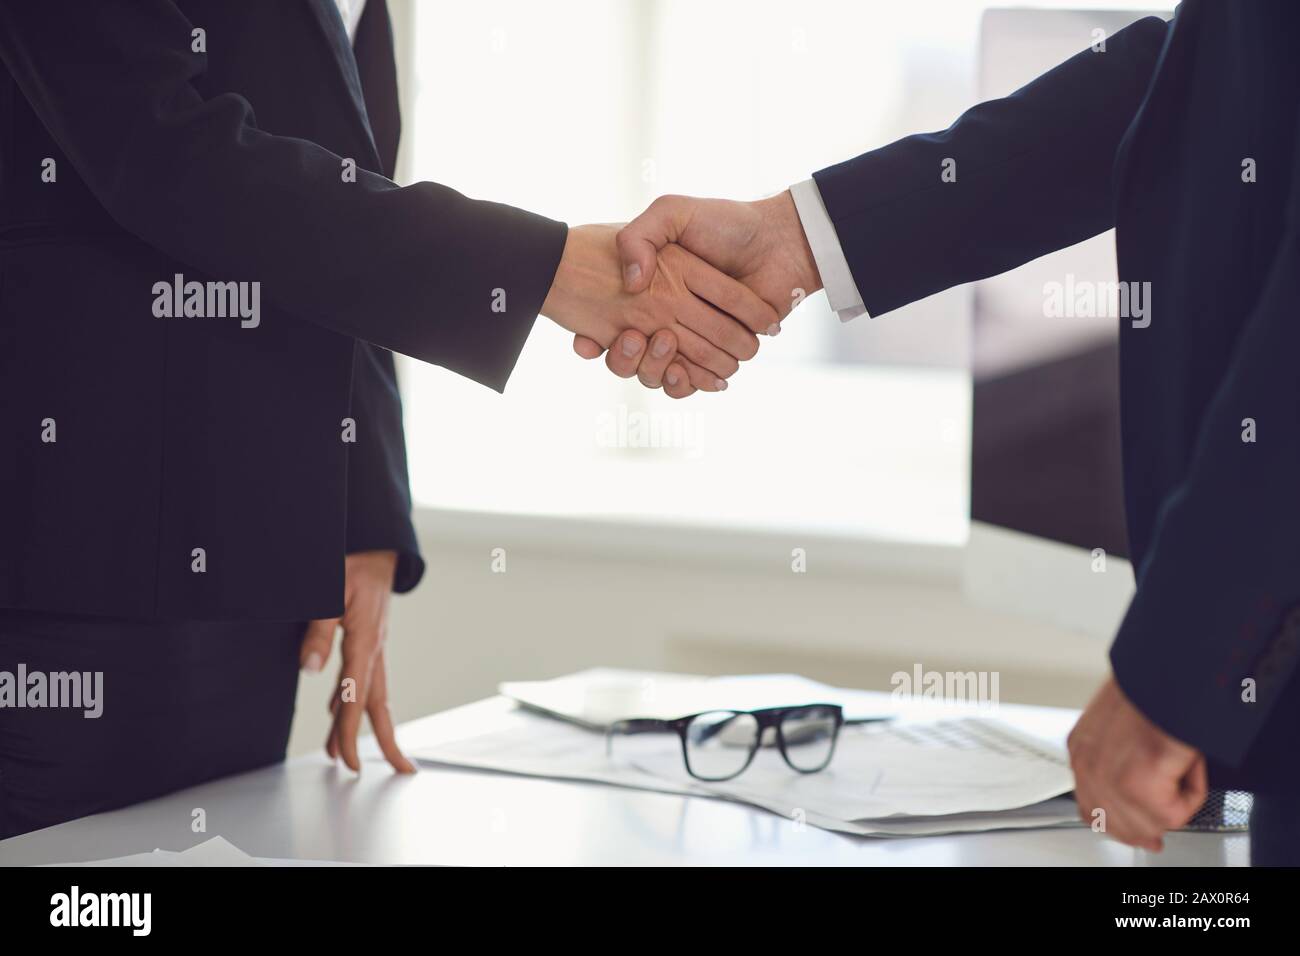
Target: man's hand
{"x":363,"y":681}
{"x":760,"y":243}
{"x":1146,"y":781}
{"x":710,"y":316}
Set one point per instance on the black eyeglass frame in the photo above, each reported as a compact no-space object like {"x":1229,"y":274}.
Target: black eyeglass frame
{"x":766,"y":717}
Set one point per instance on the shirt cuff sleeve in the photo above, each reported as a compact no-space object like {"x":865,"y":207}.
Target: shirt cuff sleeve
{"x":841,"y":291}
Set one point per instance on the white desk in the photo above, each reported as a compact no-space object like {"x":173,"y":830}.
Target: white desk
{"x":310,"y":809}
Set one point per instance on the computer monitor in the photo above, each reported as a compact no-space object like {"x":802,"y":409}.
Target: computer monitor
{"x":1047,"y":511}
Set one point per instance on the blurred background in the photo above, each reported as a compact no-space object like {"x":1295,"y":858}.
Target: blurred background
{"x":636,"y":531}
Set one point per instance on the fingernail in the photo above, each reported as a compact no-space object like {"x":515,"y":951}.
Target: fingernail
{"x":632,"y":273}
{"x":659,"y":348}
{"x":774,"y":328}
{"x":313,"y":663}
{"x":671,"y":378}
{"x":630,"y":345}
{"x":720,"y":385}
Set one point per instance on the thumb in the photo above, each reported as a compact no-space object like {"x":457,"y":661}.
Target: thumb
{"x":1193,"y":789}
{"x":641,"y":239}
{"x":316,"y":644}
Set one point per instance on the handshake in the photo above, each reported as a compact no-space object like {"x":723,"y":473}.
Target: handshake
{"x":678,"y":296}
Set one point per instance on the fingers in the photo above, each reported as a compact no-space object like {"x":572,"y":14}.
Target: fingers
{"x":1131,"y":817}
{"x":1195,"y":788}
{"x":627,"y":352}
{"x":703,"y":353}
{"x":663,"y":348}
{"x":1121,"y":818}
{"x":354,"y":686}
{"x":701,"y":379}
{"x":658,"y":364}
{"x":717,"y":328}
{"x":640,"y":240}
{"x":316,"y":643}
{"x":587,"y":348}
{"x":1165,"y":796}
{"x":683,"y":378}
{"x":677,"y":383}
{"x":733,"y":298}
{"x":661,"y":365}
{"x":332,"y":736}
{"x":381,"y":721}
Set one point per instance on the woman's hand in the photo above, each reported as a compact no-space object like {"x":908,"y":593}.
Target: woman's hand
{"x":363,"y":681}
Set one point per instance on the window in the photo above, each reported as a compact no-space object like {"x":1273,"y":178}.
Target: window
{"x":585,"y":110}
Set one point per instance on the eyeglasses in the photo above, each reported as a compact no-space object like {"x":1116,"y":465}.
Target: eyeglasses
{"x":720,"y":744}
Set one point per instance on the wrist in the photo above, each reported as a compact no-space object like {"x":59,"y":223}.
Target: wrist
{"x":587,"y":277}
{"x":366,"y":568}
{"x":561,"y":291}
{"x":377,"y":558}
{"x":781,"y":221}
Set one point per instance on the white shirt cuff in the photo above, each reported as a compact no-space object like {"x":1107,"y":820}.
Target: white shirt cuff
{"x":837,"y":279}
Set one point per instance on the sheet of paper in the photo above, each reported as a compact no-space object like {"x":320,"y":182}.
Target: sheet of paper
{"x":1058,"y":812}
{"x":598,"y":697}
{"x":905,"y":778}
{"x":529,"y":744}
{"x":966,"y":765}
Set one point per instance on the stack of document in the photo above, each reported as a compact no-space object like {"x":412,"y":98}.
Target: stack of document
{"x":921,"y":773}
{"x":596,"y":698}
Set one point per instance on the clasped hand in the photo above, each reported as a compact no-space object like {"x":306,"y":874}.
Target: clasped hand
{"x":700,"y":279}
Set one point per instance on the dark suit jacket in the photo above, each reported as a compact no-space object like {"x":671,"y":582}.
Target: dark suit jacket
{"x":175,"y":434}
{"x":1150,"y":137}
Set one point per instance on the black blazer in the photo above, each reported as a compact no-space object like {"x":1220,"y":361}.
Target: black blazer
{"x":1150,"y":137}
{"x":176,"y":434}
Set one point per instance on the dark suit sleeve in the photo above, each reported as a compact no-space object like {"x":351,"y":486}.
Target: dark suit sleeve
{"x":412,"y":269}
{"x":1219,"y":598}
{"x":379,"y":492}
{"x":1033,"y":174}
